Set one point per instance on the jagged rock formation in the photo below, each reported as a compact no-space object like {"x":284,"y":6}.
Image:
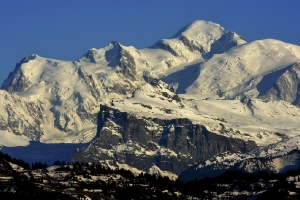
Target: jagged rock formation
{"x":172,"y":145}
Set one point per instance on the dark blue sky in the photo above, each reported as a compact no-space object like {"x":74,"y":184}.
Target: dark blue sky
{"x":66,"y":29}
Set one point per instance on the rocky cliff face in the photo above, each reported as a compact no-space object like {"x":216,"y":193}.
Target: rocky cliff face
{"x":172,"y":145}
{"x":286,"y":87}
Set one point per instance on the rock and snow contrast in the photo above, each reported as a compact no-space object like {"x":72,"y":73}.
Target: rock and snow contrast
{"x":186,"y":101}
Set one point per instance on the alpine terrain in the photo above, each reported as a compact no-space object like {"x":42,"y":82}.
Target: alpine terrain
{"x":197,"y":104}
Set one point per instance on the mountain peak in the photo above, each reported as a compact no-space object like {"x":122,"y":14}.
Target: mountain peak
{"x":112,"y":50}
{"x":198,"y":27}
{"x":28,"y":58}
{"x":14,"y":73}
{"x":204,"y":37}
{"x":115,"y":43}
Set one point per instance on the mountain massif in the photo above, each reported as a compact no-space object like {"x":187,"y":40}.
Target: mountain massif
{"x":201,"y":102}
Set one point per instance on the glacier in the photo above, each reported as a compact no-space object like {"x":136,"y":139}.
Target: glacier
{"x":245,"y":92}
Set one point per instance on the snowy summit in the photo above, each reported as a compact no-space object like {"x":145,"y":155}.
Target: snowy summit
{"x":184,"y":100}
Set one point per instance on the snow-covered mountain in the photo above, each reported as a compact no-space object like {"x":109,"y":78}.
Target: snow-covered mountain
{"x":204,"y":79}
{"x":68,"y":94}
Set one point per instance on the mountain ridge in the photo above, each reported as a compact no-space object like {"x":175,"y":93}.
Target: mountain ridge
{"x":203,"y":73}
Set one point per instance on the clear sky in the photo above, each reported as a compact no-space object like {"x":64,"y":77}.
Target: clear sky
{"x":66,"y":29}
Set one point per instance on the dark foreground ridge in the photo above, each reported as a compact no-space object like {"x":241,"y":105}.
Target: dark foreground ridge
{"x":94,"y":181}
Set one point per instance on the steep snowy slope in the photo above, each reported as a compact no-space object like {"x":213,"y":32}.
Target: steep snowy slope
{"x":65,"y":109}
{"x":20,"y":117}
{"x":68,"y":94}
{"x":240,"y":70}
{"x":192,"y":44}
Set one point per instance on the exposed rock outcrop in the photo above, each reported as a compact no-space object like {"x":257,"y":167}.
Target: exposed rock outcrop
{"x":172,"y":145}
{"x":286,"y":87}
{"x":162,"y":45}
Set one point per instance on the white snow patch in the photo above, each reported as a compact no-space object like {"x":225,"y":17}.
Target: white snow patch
{"x":11,"y":140}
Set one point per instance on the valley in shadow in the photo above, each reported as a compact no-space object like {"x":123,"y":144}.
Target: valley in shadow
{"x":42,"y":152}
